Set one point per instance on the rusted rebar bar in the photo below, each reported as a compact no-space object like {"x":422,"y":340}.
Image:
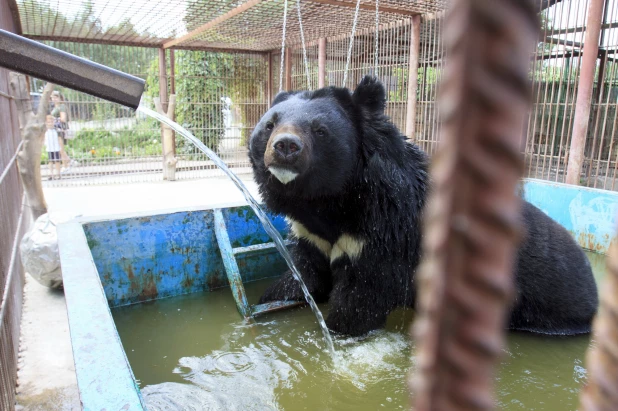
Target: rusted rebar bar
{"x":472,"y":219}
{"x":601,"y":392}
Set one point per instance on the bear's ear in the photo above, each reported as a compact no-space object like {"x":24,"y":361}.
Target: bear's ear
{"x":282,"y":96}
{"x":370,"y":94}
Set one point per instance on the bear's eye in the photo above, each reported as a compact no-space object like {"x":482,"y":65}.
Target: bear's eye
{"x":320,"y":132}
{"x":270,"y":126}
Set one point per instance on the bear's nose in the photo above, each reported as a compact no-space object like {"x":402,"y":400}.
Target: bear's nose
{"x":287,"y":146}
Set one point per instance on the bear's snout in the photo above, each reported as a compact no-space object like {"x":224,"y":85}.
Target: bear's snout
{"x":287,"y":147}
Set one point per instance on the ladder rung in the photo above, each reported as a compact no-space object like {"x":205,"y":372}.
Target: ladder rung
{"x":257,"y":248}
{"x":274,"y":306}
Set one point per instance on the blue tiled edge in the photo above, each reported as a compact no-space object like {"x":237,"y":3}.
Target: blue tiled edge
{"x":104,"y":375}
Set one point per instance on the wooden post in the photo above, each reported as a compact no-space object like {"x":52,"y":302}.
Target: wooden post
{"x":168,"y":143}
{"x":169,"y":159}
{"x":172,"y":72}
{"x":321,"y":62}
{"x":32,"y":131}
{"x":172,"y":92}
{"x":163,"y":78}
{"x":288,"y":69}
{"x":269,"y":83}
{"x":415,"y":42}
{"x":584,"y":91}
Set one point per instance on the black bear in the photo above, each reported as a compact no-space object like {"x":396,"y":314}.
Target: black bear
{"x":353,"y":192}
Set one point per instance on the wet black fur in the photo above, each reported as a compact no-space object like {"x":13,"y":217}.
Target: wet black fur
{"x":556,"y":290}
{"x":366,"y":181}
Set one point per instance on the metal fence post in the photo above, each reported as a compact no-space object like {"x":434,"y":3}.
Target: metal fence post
{"x":321,"y":62}
{"x":163,"y":96}
{"x":584,"y":92}
{"x":269,"y":81}
{"x":415,"y":45}
{"x":288,"y":68}
{"x":167,"y":106}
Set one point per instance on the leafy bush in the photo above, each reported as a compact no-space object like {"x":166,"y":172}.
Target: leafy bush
{"x":141,"y":140}
{"x":200,"y":83}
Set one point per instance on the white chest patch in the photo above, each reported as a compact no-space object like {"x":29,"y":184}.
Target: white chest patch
{"x":283,"y":175}
{"x":301,"y":232}
{"x":345,"y":245}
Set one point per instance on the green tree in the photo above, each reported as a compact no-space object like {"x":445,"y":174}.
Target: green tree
{"x":200,"y":84}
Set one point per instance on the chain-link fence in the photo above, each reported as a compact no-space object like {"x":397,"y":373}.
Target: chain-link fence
{"x":14,"y":220}
{"x":555,"y":71}
{"x":221,"y":95}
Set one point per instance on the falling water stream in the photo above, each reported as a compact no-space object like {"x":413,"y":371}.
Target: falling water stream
{"x":268,"y":226}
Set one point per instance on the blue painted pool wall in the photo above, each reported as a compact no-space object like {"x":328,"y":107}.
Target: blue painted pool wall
{"x":145,"y":258}
{"x":589,"y":214}
{"x":104,"y":377}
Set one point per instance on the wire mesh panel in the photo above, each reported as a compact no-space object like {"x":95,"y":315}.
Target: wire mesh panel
{"x":394,"y":42}
{"x":220,"y":99}
{"x":299,"y":74}
{"x":221,"y":95}
{"x":555,"y":73}
{"x":393,"y":53}
{"x":106,"y":142}
{"x":275,"y":74}
{"x":14,"y":220}
{"x":336,"y":54}
{"x":430,"y":67}
{"x":258,"y":27}
{"x":12,"y":227}
{"x":601,"y":144}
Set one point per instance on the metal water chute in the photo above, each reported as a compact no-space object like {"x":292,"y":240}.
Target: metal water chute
{"x":34,"y":59}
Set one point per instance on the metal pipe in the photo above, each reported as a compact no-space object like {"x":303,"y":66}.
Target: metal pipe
{"x":269,"y":82}
{"x":288,"y":68}
{"x":584,"y":92}
{"x":47,"y":63}
{"x":415,"y":46}
{"x":322,"y":62}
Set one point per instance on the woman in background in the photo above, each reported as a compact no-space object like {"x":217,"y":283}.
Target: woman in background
{"x":53,"y":143}
{"x":61,"y":124}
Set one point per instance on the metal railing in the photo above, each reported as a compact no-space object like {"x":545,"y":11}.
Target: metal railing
{"x":14,"y":221}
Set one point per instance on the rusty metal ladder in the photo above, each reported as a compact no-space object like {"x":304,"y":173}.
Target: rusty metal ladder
{"x":228,"y":254}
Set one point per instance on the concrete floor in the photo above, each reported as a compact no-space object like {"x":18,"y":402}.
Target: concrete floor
{"x":46,"y":376}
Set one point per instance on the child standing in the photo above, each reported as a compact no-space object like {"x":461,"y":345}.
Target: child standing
{"x":52,"y":145}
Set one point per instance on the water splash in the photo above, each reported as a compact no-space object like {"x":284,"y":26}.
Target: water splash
{"x":268,"y":226}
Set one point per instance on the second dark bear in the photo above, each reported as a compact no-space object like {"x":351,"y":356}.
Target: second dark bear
{"x":353,"y":192}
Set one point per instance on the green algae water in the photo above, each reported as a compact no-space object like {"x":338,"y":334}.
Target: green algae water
{"x":194,"y":352}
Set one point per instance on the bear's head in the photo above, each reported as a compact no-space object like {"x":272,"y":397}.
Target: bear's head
{"x":309,"y":143}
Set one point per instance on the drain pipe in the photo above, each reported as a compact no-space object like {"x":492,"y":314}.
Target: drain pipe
{"x":29,"y":57}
